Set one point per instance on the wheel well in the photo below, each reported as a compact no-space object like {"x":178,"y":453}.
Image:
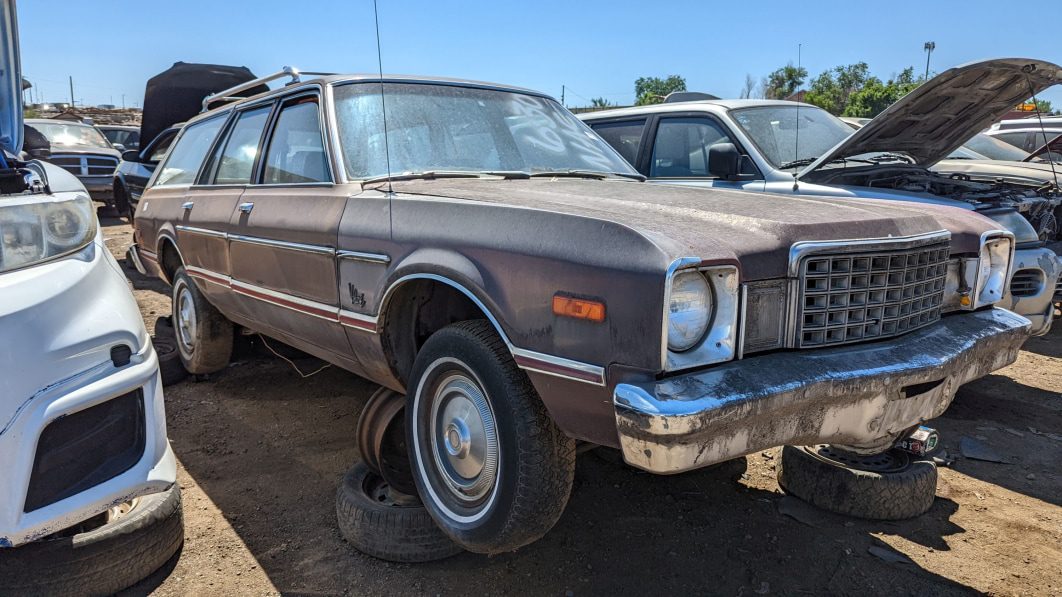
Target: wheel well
{"x":169,"y":258}
{"x":415,"y":311}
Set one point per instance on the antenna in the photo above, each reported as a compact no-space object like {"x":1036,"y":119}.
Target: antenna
{"x":796,"y":149}
{"x":383,"y":97}
{"x":1028,"y":69}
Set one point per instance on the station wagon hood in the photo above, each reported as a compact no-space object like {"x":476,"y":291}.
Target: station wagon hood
{"x":10,"y":81}
{"x":939,"y":116}
{"x":755,"y":230}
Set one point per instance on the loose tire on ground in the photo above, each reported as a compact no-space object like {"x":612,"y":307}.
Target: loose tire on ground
{"x":371,"y":521}
{"x":520,"y":481}
{"x":103,"y":560}
{"x":170,"y":366}
{"x":204,"y":336}
{"x":905,"y":491}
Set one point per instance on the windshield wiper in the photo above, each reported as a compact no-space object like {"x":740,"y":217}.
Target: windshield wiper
{"x":795,"y":163}
{"x":425,"y":175}
{"x":599,"y":175}
{"x":807,"y":161}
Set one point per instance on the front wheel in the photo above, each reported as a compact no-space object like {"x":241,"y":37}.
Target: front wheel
{"x":204,"y":335}
{"x":492,"y":468}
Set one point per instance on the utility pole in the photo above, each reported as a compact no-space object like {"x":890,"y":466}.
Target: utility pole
{"x":562,"y":96}
{"x":71,"y":91}
{"x":123,"y":101}
{"x":929,"y":47}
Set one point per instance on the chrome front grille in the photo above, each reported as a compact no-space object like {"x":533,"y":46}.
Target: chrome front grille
{"x":86,"y":165}
{"x":854,"y":297}
{"x":1026,"y":282}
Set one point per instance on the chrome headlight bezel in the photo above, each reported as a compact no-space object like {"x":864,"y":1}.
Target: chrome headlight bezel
{"x":995,"y":258}
{"x":48,"y":228}
{"x":718,"y":341}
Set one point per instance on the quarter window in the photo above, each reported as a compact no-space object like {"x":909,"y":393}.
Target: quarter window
{"x":681,"y":147}
{"x":236,"y":162}
{"x":296,"y":151}
{"x":187,"y":156}
{"x":625,"y":137}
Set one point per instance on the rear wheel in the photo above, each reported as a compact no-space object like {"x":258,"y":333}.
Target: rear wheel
{"x":204,"y":335}
{"x":121,"y":202}
{"x":489,"y":463}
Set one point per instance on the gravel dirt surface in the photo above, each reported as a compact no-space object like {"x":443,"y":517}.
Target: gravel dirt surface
{"x":261,"y":451}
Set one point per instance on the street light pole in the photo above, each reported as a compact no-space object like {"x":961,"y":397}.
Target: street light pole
{"x":929,"y":47}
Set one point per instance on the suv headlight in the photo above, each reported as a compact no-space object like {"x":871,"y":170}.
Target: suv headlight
{"x":37,"y":231}
{"x":993,"y":267}
{"x":700,"y":315}
{"x":689,"y":310}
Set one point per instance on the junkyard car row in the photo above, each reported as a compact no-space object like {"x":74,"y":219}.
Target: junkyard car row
{"x":508,"y":276}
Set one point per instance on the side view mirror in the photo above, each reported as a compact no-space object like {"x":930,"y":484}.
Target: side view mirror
{"x":131,"y":155}
{"x":725,"y":162}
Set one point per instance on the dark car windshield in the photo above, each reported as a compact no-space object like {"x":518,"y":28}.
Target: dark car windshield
{"x":126,"y":138}
{"x":774,"y":131}
{"x":70,"y":134}
{"x":450,"y":128}
{"x":994,"y":149}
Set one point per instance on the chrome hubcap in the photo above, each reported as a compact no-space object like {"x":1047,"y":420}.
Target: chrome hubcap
{"x":186,"y":322}
{"x":464,"y":440}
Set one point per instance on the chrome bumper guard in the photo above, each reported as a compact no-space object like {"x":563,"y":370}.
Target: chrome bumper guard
{"x":857,"y":395}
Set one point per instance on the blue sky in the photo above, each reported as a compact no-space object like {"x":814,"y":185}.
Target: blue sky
{"x":594,"y":48}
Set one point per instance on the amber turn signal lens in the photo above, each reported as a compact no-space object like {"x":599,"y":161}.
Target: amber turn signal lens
{"x":578,"y":308}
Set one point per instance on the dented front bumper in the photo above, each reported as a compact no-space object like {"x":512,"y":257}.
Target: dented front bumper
{"x":858,"y":395}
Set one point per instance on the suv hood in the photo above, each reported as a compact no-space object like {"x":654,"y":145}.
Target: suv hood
{"x":939,"y":116}
{"x":753,"y":229}
{"x":10,"y":81}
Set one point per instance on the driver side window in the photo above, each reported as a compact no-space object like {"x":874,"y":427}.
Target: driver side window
{"x":681,"y":147}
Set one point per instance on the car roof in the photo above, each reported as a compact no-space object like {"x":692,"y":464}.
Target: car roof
{"x":119,"y":127}
{"x":334,"y":79}
{"x":708,"y":105}
{"x":55,"y":121}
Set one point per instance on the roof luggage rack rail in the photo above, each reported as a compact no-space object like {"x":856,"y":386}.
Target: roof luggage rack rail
{"x":229,"y":95}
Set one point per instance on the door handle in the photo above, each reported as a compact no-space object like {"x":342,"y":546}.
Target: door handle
{"x":246,"y":207}
{"x":187,"y":205}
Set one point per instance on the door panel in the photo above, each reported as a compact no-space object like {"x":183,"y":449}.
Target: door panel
{"x":201,"y":227}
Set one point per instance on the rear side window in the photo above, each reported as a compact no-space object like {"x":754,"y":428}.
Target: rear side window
{"x":235,"y":164}
{"x":187,"y":156}
{"x":625,"y":137}
{"x":296,"y":151}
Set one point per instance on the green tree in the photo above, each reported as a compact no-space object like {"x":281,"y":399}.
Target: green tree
{"x":600,"y":103}
{"x":1044,"y":106}
{"x":875,"y":95}
{"x":653,"y":90}
{"x":783,"y":82}
{"x":832,"y":89}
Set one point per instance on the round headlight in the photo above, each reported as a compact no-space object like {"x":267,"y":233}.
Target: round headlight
{"x":689,"y":312}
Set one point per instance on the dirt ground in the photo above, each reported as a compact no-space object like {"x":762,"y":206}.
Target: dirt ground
{"x":261,"y":450}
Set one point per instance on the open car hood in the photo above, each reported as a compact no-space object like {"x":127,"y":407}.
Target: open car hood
{"x":940,"y":115}
{"x":10,"y":81}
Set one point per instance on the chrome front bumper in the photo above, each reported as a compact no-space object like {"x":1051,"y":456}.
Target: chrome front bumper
{"x":858,"y":395}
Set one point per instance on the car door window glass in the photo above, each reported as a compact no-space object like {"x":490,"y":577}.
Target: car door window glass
{"x":625,"y":137}
{"x":681,"y":147}
{"x":235,"y":163}
{"x":187,"y":156}
{"x":296,"y":151}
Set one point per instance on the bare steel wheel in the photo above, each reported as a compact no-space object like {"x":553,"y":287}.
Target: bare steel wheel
{"x":490,"y":465}
{"x":204,"y":336}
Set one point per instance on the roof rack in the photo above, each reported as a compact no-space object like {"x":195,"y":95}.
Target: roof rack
{"x":229,"y":95}
{"x":688,"y":96}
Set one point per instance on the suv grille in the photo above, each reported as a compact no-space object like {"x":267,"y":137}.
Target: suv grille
{"x":1026,"y":282}
{"x":86,"y":165}
{"x":862,"y":296}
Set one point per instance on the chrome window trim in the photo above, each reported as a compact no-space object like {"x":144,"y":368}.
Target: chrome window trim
{"x":363,"y":256}
{"x":801,"y":249}
{"x":315,"y":90}
{"x":282,"y":244}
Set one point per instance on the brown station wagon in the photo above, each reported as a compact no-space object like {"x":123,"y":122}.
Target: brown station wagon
{"x":498,"y":268}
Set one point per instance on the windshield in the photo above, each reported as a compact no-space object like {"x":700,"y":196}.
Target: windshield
{"x":994,"y":149}
{"x":774,"y":131}
{"x":434,"y":127}
{"x":126,"y":138}
{"x":67,"y":134}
